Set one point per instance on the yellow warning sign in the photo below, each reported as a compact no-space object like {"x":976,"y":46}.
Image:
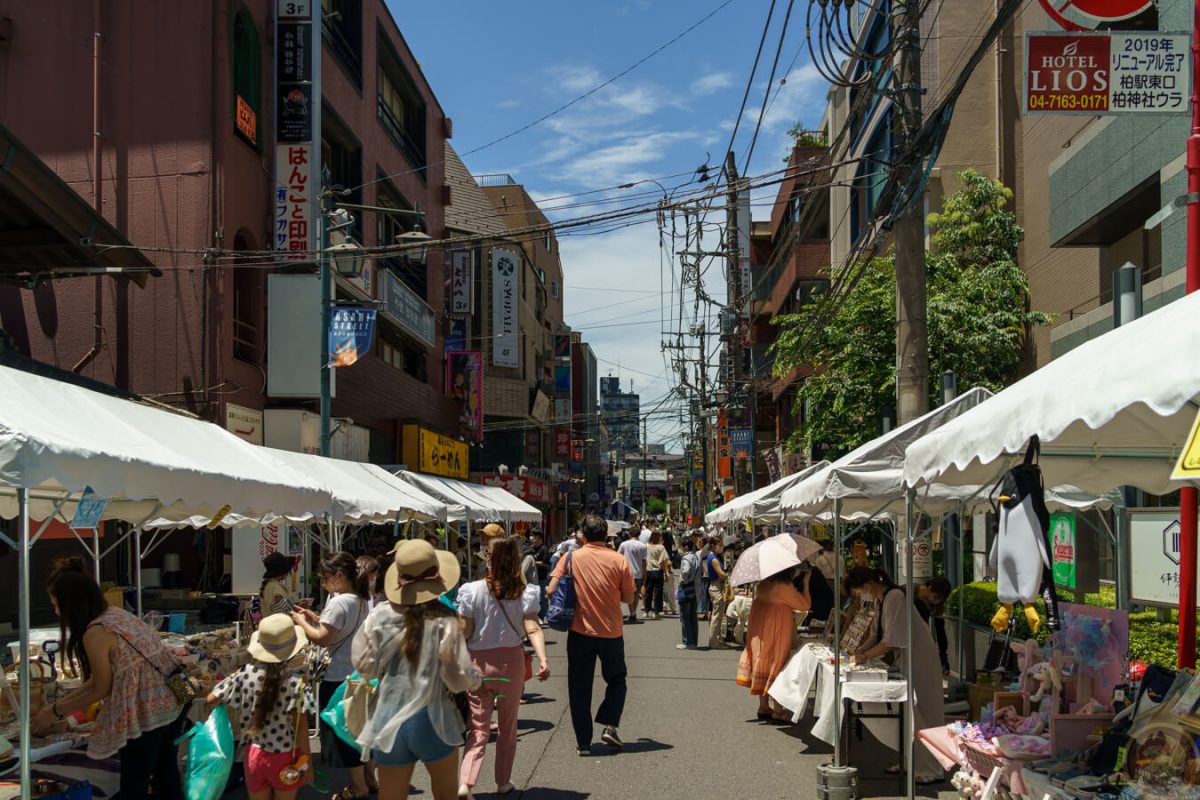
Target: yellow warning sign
{"x":1188,"y":466}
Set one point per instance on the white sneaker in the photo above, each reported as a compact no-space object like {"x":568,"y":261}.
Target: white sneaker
{"x":464,"y":790}
{"x":681,"y":647}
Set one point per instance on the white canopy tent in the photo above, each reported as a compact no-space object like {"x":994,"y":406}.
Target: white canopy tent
{"x":762,"y":503}
{"x":472,"y":502}
{"x":1106,"y":414}
{"x":59,"y":439}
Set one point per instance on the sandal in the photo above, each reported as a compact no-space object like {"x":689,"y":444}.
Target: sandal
{"x":895,"y":769}
{"x":765,"y":715}
{"x":347,"y":793}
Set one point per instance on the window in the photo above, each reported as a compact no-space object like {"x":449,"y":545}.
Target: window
{"x":342,"y":155}
{"x":342,"y":31}
{"x":389,"y":228}
{"x":554,"y":289}
{"x":401,"y":109}
{"x":871,"y":179}
{"x":549,"y":242}
{"x":247,"y":77}
{"x":411,"y":360}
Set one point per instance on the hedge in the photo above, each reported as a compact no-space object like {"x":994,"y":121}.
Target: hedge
{"x":1150,"y":640}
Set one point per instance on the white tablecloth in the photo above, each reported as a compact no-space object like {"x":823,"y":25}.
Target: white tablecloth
{"x":810,"y":667}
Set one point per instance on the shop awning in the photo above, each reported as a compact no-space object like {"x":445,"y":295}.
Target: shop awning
{"x":48,"y":231}
{"x":1114,"y":411}
{"x":57,"y":439}
{"x":761,"y":504}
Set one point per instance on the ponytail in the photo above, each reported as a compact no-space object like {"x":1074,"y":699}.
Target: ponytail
{"x":346,"y":564}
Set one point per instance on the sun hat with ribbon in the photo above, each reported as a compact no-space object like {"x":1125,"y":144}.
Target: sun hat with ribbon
{"x":491,"y":531}
{"x":277,"y":640}
{"x":419,"y":573}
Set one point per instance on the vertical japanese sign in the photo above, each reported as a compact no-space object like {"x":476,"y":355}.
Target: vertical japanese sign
{"x":745,"y":273}
{"x":1106,"y":73}
{"x":506,"y":291}
{"x":562,"y":444}
{"x":462,"y":282}
{"x":464,"y":385}
{"x":724,"y":462}
{"x":297,"y":121}
{"x":351,"y":332}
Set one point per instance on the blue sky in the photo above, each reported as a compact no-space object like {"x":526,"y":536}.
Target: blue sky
{"x":495,"y":67}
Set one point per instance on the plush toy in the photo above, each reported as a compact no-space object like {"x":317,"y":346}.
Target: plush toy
{"x":1049,"y":681}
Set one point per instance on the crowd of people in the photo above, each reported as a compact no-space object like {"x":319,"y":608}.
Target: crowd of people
{"x":451,"y":643}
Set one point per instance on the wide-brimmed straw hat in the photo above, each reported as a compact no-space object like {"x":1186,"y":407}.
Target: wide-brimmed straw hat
{"x":277,"y":640}
{"x":419,"y":573}
{"x":491,"y":530}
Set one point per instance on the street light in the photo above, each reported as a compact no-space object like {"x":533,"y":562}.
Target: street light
{"x":416,"y":236}
{"x":347,"y":258}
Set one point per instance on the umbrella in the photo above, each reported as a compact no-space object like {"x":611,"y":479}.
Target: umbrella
{"x":772,"y":556}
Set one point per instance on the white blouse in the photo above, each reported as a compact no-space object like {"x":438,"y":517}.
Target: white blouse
{"x":443,"y":666}
{"x":492,"y":629}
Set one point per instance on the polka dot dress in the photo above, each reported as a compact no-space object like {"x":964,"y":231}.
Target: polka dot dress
{"x":240,"y":693}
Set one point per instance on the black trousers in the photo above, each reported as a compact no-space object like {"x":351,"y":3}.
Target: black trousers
{"x":939,"y":633}
{"x":582,"y":652}
{"x":152,"y":760}
{"x":654,"y":591}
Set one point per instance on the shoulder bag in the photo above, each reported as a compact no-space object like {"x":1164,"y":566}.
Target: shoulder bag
{"x":179,"y":681}
{"x":520,"y":635}
{"x":561,"y":611}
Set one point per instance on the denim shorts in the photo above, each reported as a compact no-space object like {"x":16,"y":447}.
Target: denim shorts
{"x":415,"y":741}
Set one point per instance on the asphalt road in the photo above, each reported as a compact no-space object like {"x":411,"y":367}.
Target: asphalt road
{"x":689,"y":732}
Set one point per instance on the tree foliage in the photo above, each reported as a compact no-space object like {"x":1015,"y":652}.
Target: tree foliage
{"x":655,"y":506}
{"x":978,"y":318}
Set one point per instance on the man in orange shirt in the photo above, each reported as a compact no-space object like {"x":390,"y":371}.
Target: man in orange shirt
{"x":603,"y":581}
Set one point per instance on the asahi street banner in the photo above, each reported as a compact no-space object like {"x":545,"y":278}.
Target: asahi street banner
{"x":351,"y":331}
{"x":741,"y":441}
{"x":462,"y":282}
{"x":506,"y":293}
{"x":464,"y":378}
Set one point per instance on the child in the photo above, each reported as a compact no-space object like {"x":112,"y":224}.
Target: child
{"x":262,"y":698}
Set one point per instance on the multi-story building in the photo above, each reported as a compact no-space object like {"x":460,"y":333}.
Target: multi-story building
{"x":168,"y":127}
{"x":585,"y":426}
{"x":622,"y":413}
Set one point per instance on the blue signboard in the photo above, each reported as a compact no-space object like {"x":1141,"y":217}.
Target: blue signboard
{"x":351,"y":331}
{"x":741,"y":443}
{"x":456,"y":339}
{"x":89,"y":510}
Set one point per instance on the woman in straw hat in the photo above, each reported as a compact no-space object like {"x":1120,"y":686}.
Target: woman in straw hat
{"x":414,"y":645}
{"x":499,"y":613}
{"x":262,"y":698}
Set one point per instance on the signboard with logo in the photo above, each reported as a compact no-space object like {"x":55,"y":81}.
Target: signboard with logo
{"x":456,"y":337}
{"x":506,"y":293}
{"x":1154,"y":556}
{"x":250,"y":549}
{"x":1188,"y":465}
{"x":402,"y":305}
{"x":247,"y":121}
{"x":246,"y":423}
{"x":88,"y":510}
{"x":562,"y":411}
{"x":562,"y":380}
{"x":464,"y":385}
{"x":435,"y":454}
{"x":724,"y":453}
{"x":1087,"y":15}
{"x":562,"y":346}
{"x":462,"y":282}
{"x":297,"y":116}
{"x":1062,"y":549}
{"x":351,"y":332}
{"x":562,"y":444}
{"x":531,"y":490}
{"x":1107,"y":73}
{"x":771,"y":456}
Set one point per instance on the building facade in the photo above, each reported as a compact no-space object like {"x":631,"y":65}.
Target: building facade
{"x":189,"y":176}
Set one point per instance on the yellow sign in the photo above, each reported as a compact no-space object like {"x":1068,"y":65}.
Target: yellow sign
{"x":222,"y":512}
{"x":435,"y":454}
{"x":1188,"y":466}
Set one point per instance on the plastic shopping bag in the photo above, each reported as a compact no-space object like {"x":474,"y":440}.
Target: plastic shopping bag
{"x":210,"y":756}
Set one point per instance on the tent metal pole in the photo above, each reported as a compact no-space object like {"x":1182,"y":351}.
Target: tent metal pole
{"x":24,"y":674}
{"x":962,"y":654}
{"x":909,"y":754}
{"x":137,"y":566}
{"x":96,"y":552}
{"x":837,"y":634}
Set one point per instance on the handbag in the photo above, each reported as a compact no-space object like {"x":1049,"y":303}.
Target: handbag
{"x":357,"y":700}
{"x":179,"y":681}
{"x":297,"y":771}
{"x":561,"y":611}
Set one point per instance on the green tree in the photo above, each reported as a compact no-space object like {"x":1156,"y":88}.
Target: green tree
{"x":978,"y":318}
{"x":655,"y":505}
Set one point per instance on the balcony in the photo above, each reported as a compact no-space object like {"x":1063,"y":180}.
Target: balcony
{"x":805,"y":263}
{"x":495,"y":179}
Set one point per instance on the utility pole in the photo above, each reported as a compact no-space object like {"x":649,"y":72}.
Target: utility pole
{"x":733,"y":309}
{"x":645,"y":457}
{"x":912,"y":341}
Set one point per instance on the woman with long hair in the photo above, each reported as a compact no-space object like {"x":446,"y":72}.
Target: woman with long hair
{"x":888,"y":640}
{"x":769,"y":636}
{"x":270,"y":706}
{"x":140,"y":718}
{"x":499,"y":612}
{"x":414,"y":645}
{"x":345,"y":610}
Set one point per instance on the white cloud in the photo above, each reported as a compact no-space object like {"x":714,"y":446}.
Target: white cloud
{"x":615,"y":163}
{"x":508,"y":104}
{"x":577,"y":78}
{"x":712,"y":82}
